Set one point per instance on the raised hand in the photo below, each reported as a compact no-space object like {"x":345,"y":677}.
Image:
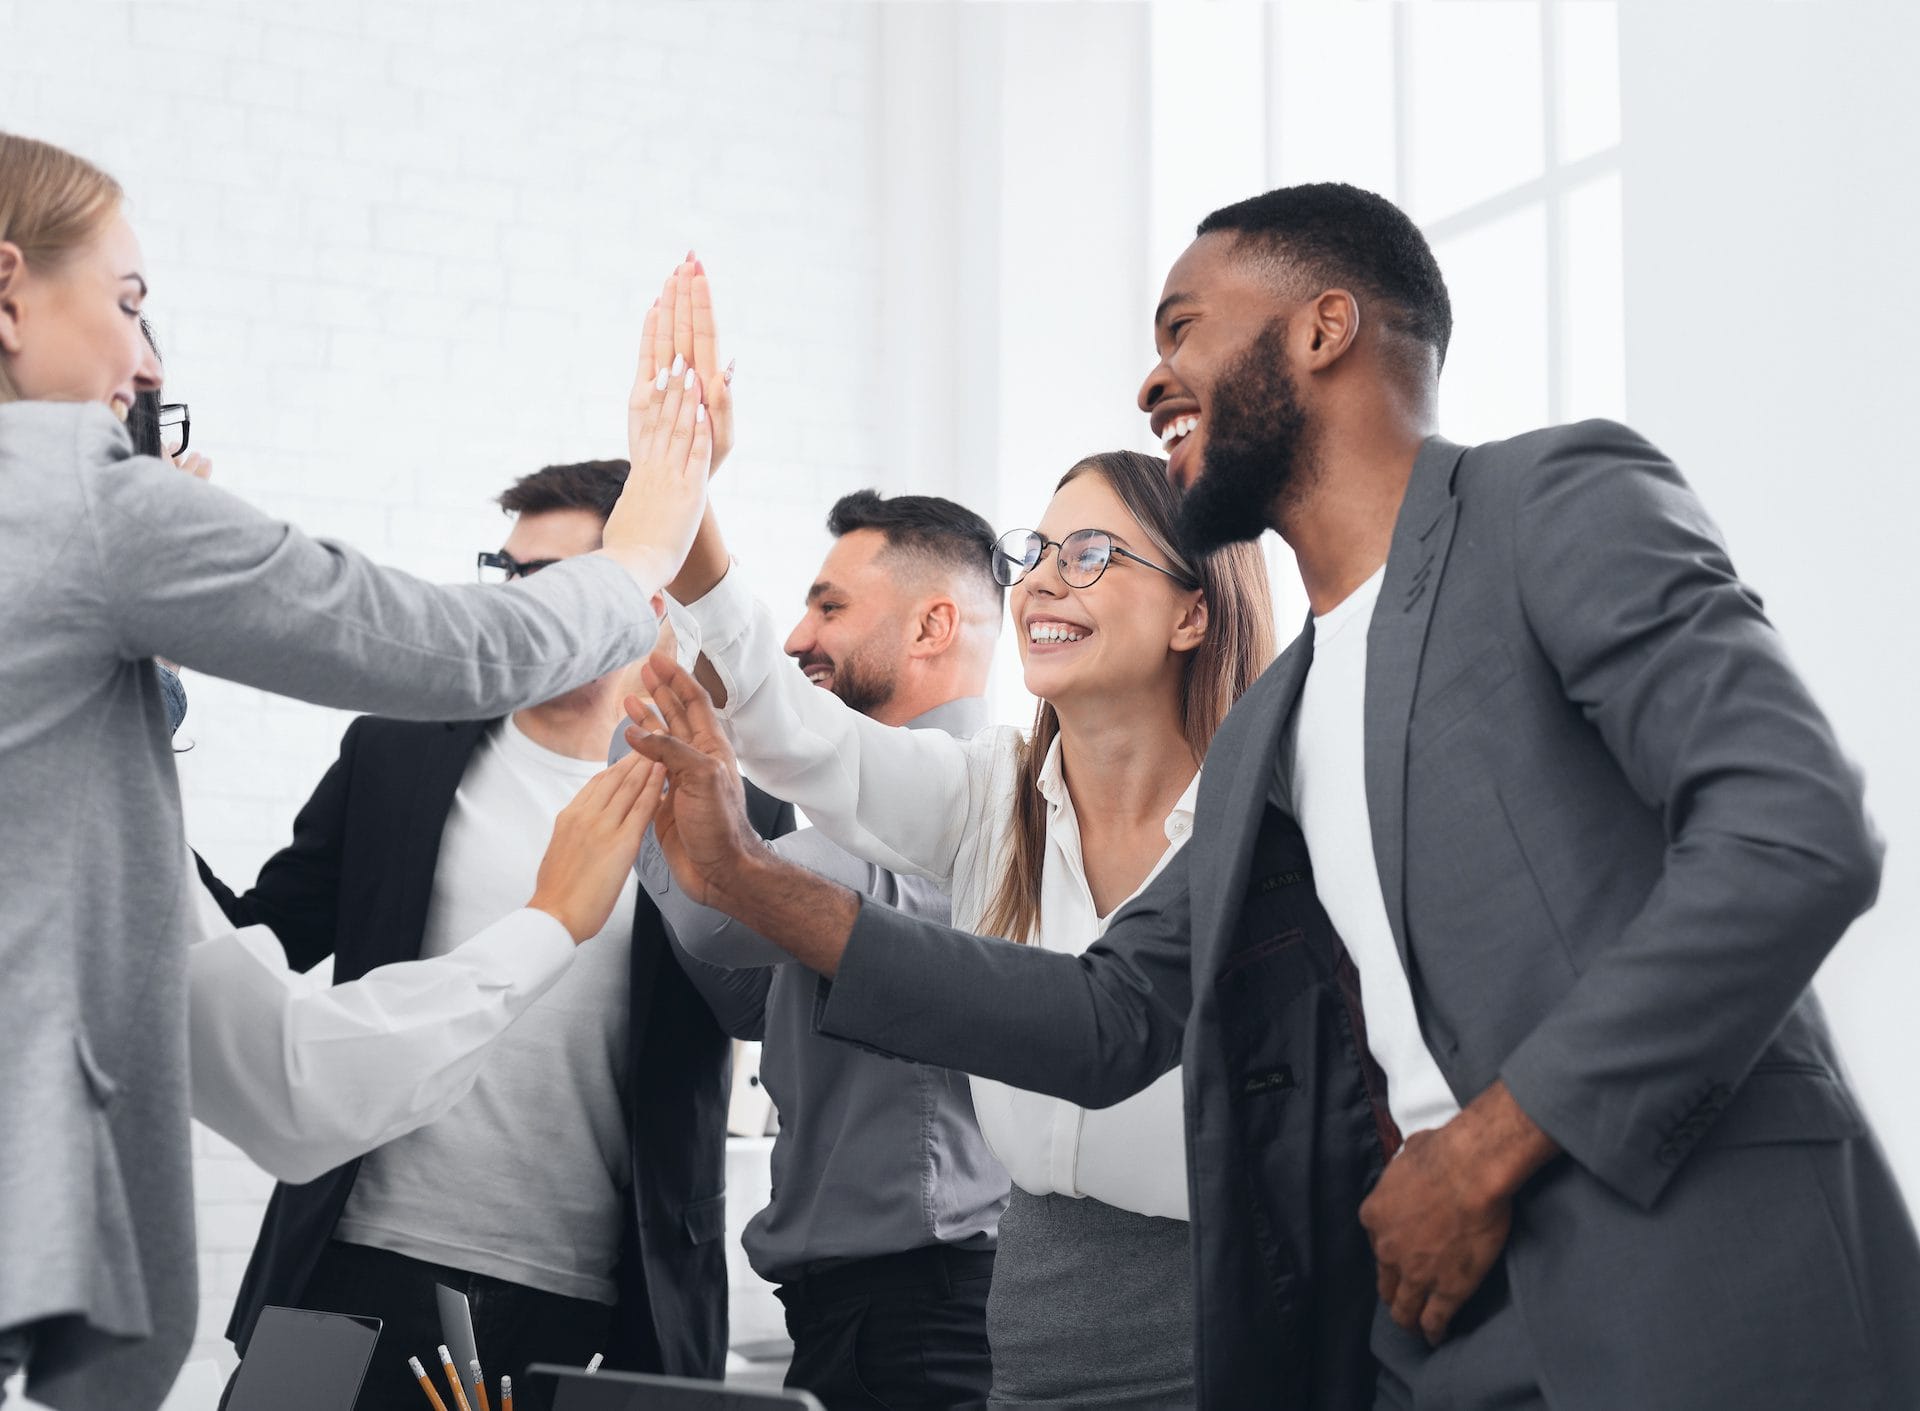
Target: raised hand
{"x":702,"y":827}
{"x":670,"y":449}
{"x":595,"y":840}
{"x":696,"y":295}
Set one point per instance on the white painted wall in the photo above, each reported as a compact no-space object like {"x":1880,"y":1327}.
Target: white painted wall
{"x":1772,"y":194}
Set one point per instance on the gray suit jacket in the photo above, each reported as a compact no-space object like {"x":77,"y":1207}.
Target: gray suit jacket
{"x":106,"y":560}
{"x":1616,"y":839}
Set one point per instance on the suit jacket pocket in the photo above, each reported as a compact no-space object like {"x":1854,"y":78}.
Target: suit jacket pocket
{"x":1461,"y":695}
{"x":1787,"y":1102}
{"x":705,"y":1220}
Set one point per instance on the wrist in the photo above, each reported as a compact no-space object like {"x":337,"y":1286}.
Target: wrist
{"x":744,"y":877}
{"x":1500,"y":1146}
{"x":559,"y":912}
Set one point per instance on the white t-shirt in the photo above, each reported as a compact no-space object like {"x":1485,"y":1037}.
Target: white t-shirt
{"x":523,"y":1180}
{"x":1330,"y":800}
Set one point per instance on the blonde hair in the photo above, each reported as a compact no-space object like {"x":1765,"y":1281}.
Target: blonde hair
{"x":1238,"y":646}
{"x":51,"y":204}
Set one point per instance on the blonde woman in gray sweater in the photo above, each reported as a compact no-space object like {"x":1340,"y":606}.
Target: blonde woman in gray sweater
{"x":107,"y":560}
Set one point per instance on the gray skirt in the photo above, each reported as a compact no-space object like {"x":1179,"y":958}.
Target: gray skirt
{"x":1091,"y":1307}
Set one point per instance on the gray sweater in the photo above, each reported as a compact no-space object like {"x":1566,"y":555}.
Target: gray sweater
{"x":107,"y":560}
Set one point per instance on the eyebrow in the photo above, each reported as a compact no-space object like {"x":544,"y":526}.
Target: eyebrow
{"x":137,"y":278}
{"x":1160,"y":313}
{"x":820,"y":590}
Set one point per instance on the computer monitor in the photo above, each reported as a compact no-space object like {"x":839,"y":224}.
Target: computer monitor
{"x":302,"y":1361}
{"x":575,"y":1389}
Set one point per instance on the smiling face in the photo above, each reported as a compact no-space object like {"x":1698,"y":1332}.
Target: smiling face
{"x":1223,"y":399}
{"x":71,"y":332}
{"x":1129,"y":631}
{"x":852,"y":640}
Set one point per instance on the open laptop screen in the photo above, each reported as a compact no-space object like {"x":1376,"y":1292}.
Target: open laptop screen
{"x":302,"y":1361}
{"x":577,"y":1390}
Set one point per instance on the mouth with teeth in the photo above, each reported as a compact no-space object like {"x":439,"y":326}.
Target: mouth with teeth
{"x":818,"y":671}
{"x":1052,"y":634}
{"x":122,"y":407}
{"x":1175,"y":438}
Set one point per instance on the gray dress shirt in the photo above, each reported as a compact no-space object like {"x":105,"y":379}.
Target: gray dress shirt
{"x":875,"y":1155}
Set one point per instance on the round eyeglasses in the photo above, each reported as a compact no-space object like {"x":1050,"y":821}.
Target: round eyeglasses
{"x":503,"y":567}
{"x":1084,"y":556}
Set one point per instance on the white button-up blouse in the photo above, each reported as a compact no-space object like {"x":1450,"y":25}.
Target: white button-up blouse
{"x":926,"y":803}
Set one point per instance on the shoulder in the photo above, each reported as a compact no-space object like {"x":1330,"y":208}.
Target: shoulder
{"x":65,"y":451}
{"x":378,"y":735}
{"x":1582,"y":447}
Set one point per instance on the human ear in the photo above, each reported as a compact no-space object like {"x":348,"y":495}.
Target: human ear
{"x":13,"y":272}
{"x":936,"y":624}
{"x":1191,"y":630}
{"x":1331,"y":326}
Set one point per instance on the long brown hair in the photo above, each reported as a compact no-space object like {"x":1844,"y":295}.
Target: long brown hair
{"x":1238,"y":646}
{"x":51,"y":204}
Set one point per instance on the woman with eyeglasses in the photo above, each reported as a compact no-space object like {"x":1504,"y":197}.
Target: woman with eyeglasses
{"x":1136,"y":653}
{"x":109,"y":559}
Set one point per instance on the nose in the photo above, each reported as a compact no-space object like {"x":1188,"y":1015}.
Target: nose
{"x":800,"y":640}
{"x":146,"y":377}
{"x":1044,"y":576}
{"x":1154,"y":390}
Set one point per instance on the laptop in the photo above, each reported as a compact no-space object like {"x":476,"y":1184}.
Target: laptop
{"x":302,"y":1361}
{"x":576,"y":1390}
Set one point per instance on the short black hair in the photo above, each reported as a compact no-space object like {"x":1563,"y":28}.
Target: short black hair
{"x":584,"y":485}
{"x":921,"y":526}
{"x":1343,"y":235}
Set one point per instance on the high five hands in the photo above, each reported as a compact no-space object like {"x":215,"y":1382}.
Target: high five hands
{"x":679,"y":429}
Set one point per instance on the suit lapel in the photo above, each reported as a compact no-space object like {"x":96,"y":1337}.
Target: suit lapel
{"x":1421,"y":536}
{"x":1246,"y":765}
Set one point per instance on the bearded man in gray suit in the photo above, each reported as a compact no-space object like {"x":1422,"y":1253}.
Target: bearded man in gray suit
{"x":1574,"y":828}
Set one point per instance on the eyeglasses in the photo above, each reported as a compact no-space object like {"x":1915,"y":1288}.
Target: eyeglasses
{"x":503,"y":567}
{"x":1084,"y":556}
{"x":174,"y":418}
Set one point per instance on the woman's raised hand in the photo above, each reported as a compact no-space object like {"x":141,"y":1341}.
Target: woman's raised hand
{"x":670,"y":449}
{"x":595,"y":839}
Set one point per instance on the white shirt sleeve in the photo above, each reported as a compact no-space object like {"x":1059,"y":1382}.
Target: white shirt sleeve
{"x":302,"y":1076}
{"x":905,"y":800}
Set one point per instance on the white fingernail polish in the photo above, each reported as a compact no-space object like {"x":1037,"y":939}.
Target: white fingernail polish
{"x":660,"y":382}
{"x":700,"y":412}
{"x":689,"y":381}
{"x":679,"y":364}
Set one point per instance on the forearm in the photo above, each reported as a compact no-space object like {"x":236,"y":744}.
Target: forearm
{"x":800,"y":911}
{"x":706,"y":563}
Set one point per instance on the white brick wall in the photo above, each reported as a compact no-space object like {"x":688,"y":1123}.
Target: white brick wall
{"x":400,"y":254}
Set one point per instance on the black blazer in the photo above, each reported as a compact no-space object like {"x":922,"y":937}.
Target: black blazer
{"x":355,"y":884}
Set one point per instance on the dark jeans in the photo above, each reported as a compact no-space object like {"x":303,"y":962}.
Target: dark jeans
{"x":512,"y":1325}
{"x":899,"y":1332}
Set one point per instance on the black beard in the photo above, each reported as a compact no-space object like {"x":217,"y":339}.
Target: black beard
{"x":1255,"y":462}
{"x":863,"y":690}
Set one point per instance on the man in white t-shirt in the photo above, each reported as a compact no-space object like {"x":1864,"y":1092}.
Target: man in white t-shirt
{"x":576,"y":1195}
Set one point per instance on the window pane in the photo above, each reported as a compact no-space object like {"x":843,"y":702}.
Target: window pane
{"x":1596,"y":305}
{"x":1333,"y":114}
{"x":1589,"y":86}
{"x":1495,"y":382}
{"x":1475,"y":87}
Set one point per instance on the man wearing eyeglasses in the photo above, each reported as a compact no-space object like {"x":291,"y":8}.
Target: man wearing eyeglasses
{"x":577,"y":1194}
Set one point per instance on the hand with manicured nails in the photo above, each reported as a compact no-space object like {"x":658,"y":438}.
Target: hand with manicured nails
{"x":670,"y":449}
{"x":595,"y":840}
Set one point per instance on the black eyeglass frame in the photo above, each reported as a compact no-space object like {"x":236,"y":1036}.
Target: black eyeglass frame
{"x":1038,"y":546}
{"x":185,"y":423}
{"x":502,"y":561}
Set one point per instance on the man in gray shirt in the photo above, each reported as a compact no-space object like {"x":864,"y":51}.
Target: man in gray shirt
{"x":886,"y":1201}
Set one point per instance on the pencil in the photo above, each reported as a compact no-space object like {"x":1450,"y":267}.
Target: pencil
{"x":459,"y":1394}
{"x":479,"y":1384}
{"x":594,"y":1365}
{"x":506,"y":1393}
{"x":425,"y":1385}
